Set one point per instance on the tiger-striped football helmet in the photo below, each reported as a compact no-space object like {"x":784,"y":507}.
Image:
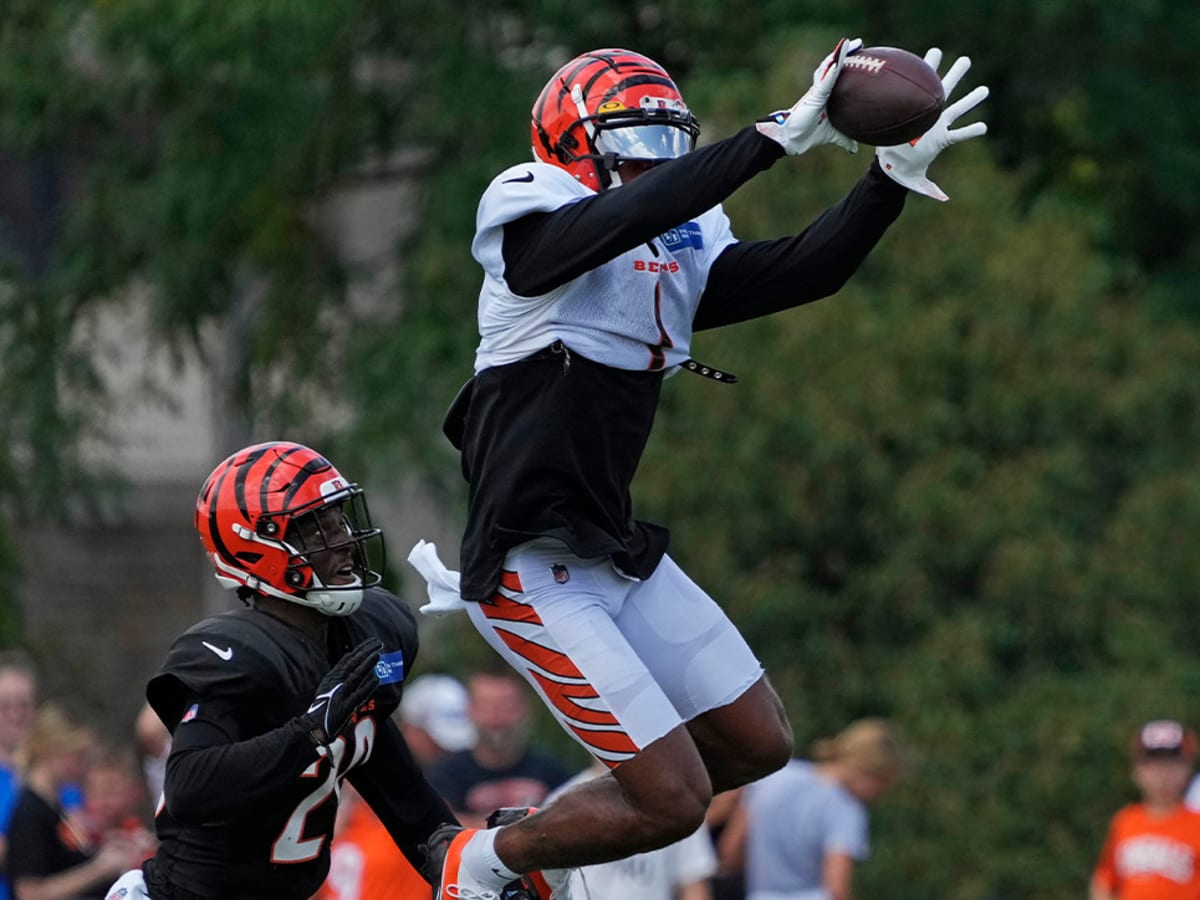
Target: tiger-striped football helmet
{"x":606,"y":107}
{"x":273,"y":517}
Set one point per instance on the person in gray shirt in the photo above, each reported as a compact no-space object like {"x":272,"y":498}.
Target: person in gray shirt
{"x":805,"y":826}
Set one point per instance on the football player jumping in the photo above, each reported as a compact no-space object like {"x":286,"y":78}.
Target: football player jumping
{"x":271,"y":706}
{"x":600,"y":259}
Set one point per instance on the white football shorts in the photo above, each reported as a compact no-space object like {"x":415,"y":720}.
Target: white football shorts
{"x":619,"y":662}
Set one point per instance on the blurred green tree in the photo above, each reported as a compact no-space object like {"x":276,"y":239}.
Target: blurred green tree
{"x":961,"y":494}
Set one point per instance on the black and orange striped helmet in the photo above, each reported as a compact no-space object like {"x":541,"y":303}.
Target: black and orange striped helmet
{"x":608,"y":106}
{"x":268,"y":510}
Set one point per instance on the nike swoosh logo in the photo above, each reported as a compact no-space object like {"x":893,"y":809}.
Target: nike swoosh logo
{"x":528,"y":177}
{"x":226,"y":654}
{"x":322,"y":699}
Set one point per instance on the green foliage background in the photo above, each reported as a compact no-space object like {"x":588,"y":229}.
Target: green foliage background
{"x":962,"y":494}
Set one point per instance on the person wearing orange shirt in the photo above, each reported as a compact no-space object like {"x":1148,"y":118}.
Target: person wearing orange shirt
{"x":1152,"y":851}
{"x":365,"y":863}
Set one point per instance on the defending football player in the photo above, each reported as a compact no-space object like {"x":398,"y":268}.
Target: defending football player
{"x":271,"y":706}
{"x":600,"y":260}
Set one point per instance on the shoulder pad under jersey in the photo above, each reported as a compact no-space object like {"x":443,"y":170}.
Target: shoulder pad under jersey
{"x":239,"y":653}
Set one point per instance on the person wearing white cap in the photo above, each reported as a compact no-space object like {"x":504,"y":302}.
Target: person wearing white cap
{"x":434,"y":717}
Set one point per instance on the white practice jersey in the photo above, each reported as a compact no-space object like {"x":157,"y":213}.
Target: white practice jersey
{"x":634,"y":312}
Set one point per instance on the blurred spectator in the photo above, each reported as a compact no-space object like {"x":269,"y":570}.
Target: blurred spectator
{"x":728,"y":883}
{"x":501,"y":769}
{"x":1153,"y":847}
{"x":18,"y":699}
{"x":679,"y":871}
{"x":435,"y":719}
{"x":49,"y":853}
{"x":805,"y":826}
{"x":115,"y":801}
{"x":365,"y":863}
{"x":153,"y":741}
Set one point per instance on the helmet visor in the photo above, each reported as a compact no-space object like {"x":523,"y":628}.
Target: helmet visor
{"x":649,"y":142}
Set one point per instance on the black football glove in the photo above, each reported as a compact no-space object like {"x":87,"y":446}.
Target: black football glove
{"x":346,"y":687}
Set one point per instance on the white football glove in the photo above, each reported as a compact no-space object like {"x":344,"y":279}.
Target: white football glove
{"x":907,"y":163}
{"x":806,"y":125}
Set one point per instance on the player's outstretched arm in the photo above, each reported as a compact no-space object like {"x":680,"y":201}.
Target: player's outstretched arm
{"x":908,"y":163}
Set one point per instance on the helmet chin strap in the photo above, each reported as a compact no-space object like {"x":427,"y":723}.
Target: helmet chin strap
{"x":341,"y":601}
{"x":332,"y":601}
{"x":611,"y":167}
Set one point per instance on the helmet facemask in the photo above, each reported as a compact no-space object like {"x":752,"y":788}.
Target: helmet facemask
{"x":329,"y":549}
{"x":659,"y":129}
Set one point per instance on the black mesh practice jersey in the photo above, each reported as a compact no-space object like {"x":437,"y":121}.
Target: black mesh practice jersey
{"x":248,"y":804}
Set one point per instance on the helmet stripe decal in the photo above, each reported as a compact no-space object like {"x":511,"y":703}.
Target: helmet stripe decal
{"x":239,"y":484}
{"x":634,"y":81}
{"x":308,"y":470}
{"x":213,"y":525}
{"x":601,"y":64}
{"x":264,"y":487}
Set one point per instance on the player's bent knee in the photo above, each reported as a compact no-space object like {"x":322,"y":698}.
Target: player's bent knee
{"x":745,"y":740}
{"x":772,"y":753}
{"x":667,"y":787}
{"x":671,"y":817}
{"x":773,"y":742}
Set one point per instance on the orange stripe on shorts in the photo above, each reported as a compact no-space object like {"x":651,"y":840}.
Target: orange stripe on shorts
{"x":553,"y":661}
{"x":563,"y":696}
{"x":611,"y":741}
{"x":504,"y":609}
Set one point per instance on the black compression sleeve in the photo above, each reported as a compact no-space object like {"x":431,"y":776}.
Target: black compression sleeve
{"x":212,"y":774}
{"x":545,"y":250}
{"x":392,"y":784}
{"x":755,"y":278}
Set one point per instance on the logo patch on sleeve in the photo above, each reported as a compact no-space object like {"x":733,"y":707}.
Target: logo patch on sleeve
{"x":686,"y":235}
{"x":390,"y":668}
{"x":191,"y":713}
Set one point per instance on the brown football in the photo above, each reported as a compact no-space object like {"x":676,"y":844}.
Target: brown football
{"x":885,"y":96}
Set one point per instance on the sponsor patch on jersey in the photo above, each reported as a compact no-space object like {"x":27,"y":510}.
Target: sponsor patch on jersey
{"x":686,"y":235}
{"x":561,"y":573}
{"x":192,"y":712}
{"x":390,"y":668}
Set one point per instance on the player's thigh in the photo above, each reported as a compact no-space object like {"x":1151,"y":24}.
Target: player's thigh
{"x":711,"y":675}
{"x":692,"y":649}
{"x":552,"y":619}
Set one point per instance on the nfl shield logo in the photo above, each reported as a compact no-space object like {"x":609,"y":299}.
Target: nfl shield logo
{"x":561,"y":574}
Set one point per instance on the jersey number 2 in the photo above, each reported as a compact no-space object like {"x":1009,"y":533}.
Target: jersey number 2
{"x":291,"y":846}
